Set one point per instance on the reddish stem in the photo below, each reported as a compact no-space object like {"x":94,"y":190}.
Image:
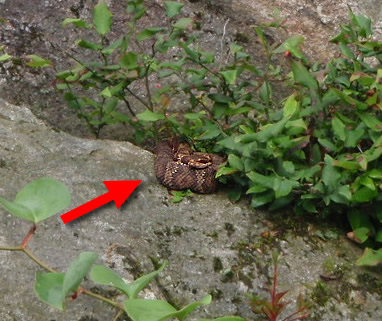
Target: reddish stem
{"x":297,"y":312}
{"x":274,"y":285}
{"x":24,"y":243}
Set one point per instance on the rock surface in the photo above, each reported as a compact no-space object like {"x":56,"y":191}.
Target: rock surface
{"x":213,"y":246}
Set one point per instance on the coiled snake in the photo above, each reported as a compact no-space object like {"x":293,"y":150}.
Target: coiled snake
{"x":178,"y":167}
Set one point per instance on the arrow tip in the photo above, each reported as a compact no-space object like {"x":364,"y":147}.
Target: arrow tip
{"x":121,"y":190}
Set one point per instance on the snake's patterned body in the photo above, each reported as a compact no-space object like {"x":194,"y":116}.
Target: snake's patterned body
{"x":178,"y":167}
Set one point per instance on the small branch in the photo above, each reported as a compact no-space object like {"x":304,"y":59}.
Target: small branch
{"x":128,"y":106}
{"x":38,"y":261}
{"x":297,"y":312}
{"x":10,"y":248}
{"x":102,"y":298}
{"x":147,"y":85}
{"x":48,"y":268}
{"x":29,"y":236}
{"x":120,"y":312}
{"x":222,"y":43}
{"x":138,"y":98}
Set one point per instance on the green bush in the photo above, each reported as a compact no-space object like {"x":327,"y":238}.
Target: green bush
{"x":317,"y":150}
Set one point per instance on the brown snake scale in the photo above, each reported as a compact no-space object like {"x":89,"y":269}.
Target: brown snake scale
{"x":178,"y":167}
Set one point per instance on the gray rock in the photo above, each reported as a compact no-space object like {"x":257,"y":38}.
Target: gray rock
{"x":213,"y":246}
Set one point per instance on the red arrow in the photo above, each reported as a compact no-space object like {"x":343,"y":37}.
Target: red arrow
{"x":119,"y":191}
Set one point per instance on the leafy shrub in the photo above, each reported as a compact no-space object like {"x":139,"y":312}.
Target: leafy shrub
{"x":317,"y":150}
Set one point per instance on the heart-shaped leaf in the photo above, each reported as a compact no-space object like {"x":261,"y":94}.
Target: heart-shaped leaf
{"x":39,"y":200}
{"x":102,"y":18}
{"x":148,"y":310}
{"x":77,"y":271}
{"x":103,"y":275}
{"x":48,"y":287}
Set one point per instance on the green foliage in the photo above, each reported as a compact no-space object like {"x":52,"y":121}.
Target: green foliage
{"x":38,"y":200}
{"x":53,"y":287}
{"x":317,"y":149}
{"x":178,"y":196}
{"x":103,"y":275}
{"x":158,"y":310}
{"x":370,"y":257}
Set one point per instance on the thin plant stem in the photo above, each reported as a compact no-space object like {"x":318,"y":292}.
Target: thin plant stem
{"x":102,"y":298}
{"x":138,"y":98}
{"x":27,"y":238}
{"x":296,"y":313}
{"x":120,"y":312}
{"x":10,"y":248}
{"x":48,"y":268}
{"x":37,"y":260}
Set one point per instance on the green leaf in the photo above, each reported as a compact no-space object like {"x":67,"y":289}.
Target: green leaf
{"x":358,"y":219}
{"x":88,"y":45}
{"x":184,"y":312}
{"x":339,"y":128}
{"x":77,"y":272}
{"x":173,"y":8}
{"x":38,"y":62}
{"x":148,"y":310}
{"x":103,"y":275}
{"x":235,"y":162}
{"x":39,"y":200}
{"x":48,"y":288}
{"x":265,"y":92}
{"x":370,"y":121}
{"x":77,"y":22}
{"x":102,"y":18}
{"x":364,"y":195}
{"x":353,"y":137}
{"x":302,"y":76}
{"x":129,"y":60}
{"x":271,"y":130}
{"x":255,"y":189}
{"x":361,"y":234}
{"x":225,"y":171}
{"x":183,"y":23}
{"x":370,"y":257}
{"x":5,"y":57}
{"x":178,"y":196}
{"x":330,"y":175}
{"x":378,"y":236}
{"x":106,"y":93}
{"x":262,"y":199}
{"x":292,"y":45}
{"x":110,"y":105}
{"x":346,"y":51}
{"x":148,"y":33}
{"x":349,"y":100}
{"x":283,"y":187}
{"x":267,"y":181}
{"x":290,"y":106}
{"x":220,"y":98}
{"x":150,"y":116}
{"x":229,"y":76}
{"x":328,"y":144}
{"x":346,"y":164}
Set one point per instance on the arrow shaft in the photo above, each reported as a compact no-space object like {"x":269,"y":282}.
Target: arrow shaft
{"x":87,"y":207}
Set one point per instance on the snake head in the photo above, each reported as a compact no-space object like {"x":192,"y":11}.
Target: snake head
{"x":199,"y":161}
